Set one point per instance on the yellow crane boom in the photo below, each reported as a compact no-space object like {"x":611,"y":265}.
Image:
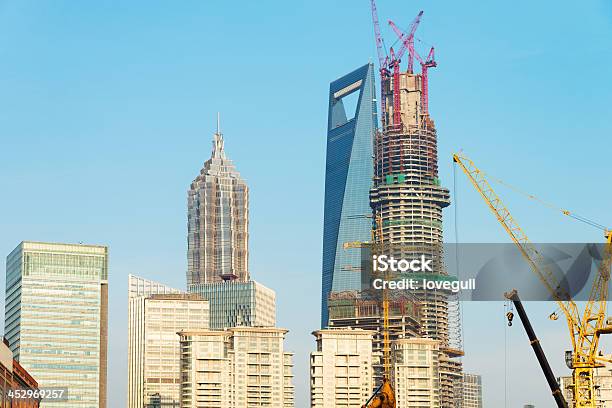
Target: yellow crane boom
{"x":384,"y":396}
{"x":584,"y":330}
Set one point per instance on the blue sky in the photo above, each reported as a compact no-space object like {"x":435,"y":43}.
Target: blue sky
{"x":107,"y":111}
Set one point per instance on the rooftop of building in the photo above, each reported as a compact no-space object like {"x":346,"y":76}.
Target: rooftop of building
{"x":351,"y":331}
{"x":232,"y":330}
{"x":416,"y":340}
{"x":177,"y":296}
{"x":63,"y":247}
{"x":237,"y":284}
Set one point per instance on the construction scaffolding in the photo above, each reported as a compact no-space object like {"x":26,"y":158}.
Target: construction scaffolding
{"x":407,"y":200}
{"x":357,"y":309}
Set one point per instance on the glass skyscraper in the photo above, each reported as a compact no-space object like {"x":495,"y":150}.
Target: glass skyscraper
{"x":218,"y":221}
{"x":234,"y":304}
{"x":348,"y":179}
{"x":56,"y":318}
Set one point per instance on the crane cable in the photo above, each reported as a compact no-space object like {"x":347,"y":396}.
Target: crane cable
{"x":547,"y":204}
{"x":506,"y":357}
{"x":459,"y":275}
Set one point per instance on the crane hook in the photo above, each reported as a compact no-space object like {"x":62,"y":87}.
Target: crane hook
{"x":510,"y":316}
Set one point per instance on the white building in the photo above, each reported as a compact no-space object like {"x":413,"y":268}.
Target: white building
{"x":416,"y":372}
{"x":472,"y":391}
{"x":156,"y":313}
{"x":341,"y":369}
{"x":239,"y":367}
{"x":138,"y":286}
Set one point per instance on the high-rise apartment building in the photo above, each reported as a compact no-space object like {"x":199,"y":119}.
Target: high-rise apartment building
{"x":56,"y":318}
{"x":156,"y":313}
{"x":348,"y":178}
{"x":341,"y":373}
{"x":239,"y":367}
{"x":416,"y":373}
{"x":472,"y":391}
{"x":218,"y":221}
{"x":235,"y":303}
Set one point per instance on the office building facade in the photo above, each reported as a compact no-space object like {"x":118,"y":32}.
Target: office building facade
{"x":234,"y":304}
{"x":341,"y":374}
{"x":239,"y":367}
{"x":218,"y":221}
{"x":348,"y":178}
{"x":154,"y":319}
{"x":56,"y":318}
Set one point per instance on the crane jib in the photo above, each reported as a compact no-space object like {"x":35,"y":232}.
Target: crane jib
{"x":585,"y":328}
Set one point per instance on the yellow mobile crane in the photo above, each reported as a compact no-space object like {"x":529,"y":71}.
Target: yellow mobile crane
{"x":585,"y":328}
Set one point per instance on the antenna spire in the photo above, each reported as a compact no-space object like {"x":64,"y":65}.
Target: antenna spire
{"x":217,"y":150}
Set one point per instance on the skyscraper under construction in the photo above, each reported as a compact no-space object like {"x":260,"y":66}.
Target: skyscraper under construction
{"x":407,"y":201}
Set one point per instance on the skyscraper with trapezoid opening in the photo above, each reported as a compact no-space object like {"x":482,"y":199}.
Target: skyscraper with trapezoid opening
{"x":348,"y":179}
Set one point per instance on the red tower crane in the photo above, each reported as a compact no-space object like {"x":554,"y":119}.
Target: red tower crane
{"x":394,"y":64}
{"x":386,"y":64}
{"x":408,"y":39}
{"x":430,"y":62}
{"x":397,"y":110}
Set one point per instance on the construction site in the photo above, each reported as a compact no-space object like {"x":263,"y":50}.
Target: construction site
{"x":407,"y":201}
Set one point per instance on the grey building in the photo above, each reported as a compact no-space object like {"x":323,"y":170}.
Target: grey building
{"x":235,"y":304}
{"x":218,"y":221}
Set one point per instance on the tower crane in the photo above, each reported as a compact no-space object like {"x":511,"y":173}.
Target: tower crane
{"x":430,"y":62}
{"x":383,"y":60}
{"x":408,"y":39}
{"x":584,"y":327}
{"x":394,"y":64}
{"x":389,"y":66}
{"x":397,"y":104}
